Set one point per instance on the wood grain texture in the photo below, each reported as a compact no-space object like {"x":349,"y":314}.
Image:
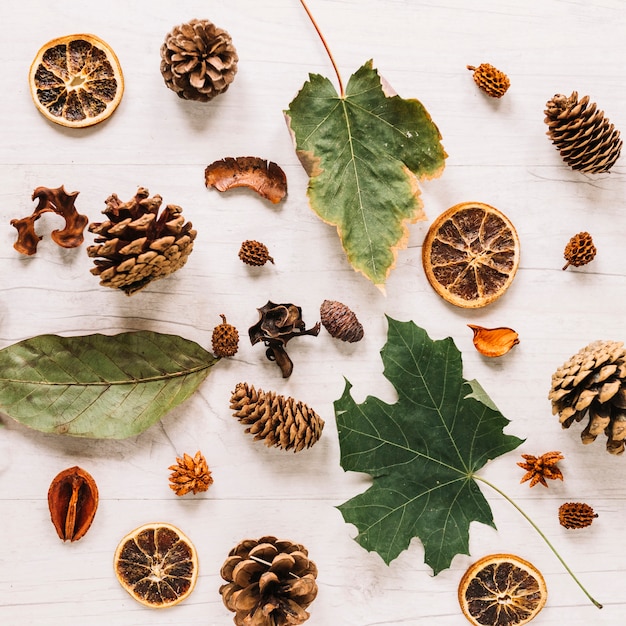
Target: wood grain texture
{"x":499,"y":154}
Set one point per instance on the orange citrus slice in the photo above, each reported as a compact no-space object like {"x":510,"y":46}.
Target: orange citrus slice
{"x":470,"y":254}
{"x":76,"y":81}
{"x":157,"y":565}
{"x":502,"y":590}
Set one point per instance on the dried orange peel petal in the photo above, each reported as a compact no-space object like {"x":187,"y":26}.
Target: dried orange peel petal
{"x":76,"y":80}
{"x":494,"y":342}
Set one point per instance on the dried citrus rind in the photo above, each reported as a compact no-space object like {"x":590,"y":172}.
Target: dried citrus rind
{"x":471,"y":254}
{"x":157,"y":565}
{"x":502,"y":590}
{"x":76,"y":80}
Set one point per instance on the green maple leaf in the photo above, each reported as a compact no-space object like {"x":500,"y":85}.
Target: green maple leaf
{"x":365,"y":152}
{"x":423,"y":451}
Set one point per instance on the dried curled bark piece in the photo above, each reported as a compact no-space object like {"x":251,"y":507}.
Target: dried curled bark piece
{"x":56,"y":201}
{"x":264,"y":177}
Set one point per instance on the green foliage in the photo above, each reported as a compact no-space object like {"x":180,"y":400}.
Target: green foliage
{"x":99,"y":386}
{"x":364,"y":154}
{"x":422,"y":451}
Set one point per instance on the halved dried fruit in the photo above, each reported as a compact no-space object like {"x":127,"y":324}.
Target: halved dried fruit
{"x":76,"y":80}
{"x":157,"y":564}
{"x":471,"y":254}
{"x":502,"y":590}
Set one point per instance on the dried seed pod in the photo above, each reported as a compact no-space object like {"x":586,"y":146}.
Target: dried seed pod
{"x":254,"y":253}
{"x":72,"y":500}
{"x":579,"y":250}
{"x":490,"y":80}
{"x":265,"y":177}
{"x":494,"y":341}
{"x":540,"y":468}
{"x":190,"y":474}
{"x":225,"y":339}
{"x":340,"y":321}
{"x":576,"y":515}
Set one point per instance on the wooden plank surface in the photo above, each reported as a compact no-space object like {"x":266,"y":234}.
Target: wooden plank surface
{"x":498,"y":153}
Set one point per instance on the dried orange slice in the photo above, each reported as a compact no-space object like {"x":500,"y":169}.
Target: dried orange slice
{"x":76,"y":80}
{"x":470,"y":254}
{"x":502,"y":590}
{"x":157,"y":565}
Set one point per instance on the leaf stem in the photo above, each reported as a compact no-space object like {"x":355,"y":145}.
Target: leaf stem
{"x":541,"y":534}
{"x":327,"y":48}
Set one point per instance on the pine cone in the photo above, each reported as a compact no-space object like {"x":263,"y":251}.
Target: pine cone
{"x":254,"y":253}
{"x":225,"y":339}
{"x":490,"y":80}
{"x":576,"y":515}
{"x":198,"y":60}
{"x":270,"y":582}
{"x":586,"y":140}
{"x":340,"y":321}
{"x":278,"y":421}
{"x":190,"y":474}
{"x":592,"y":382}
{"x":136,"y":246}
{"x":579,"y":250}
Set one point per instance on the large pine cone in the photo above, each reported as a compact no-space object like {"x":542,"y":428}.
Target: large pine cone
{"x":277,"y":420}
{"x":135,"y":246}
{"x":592,"y":382}
{"x":585,"y":138}
{"x":198,"y":60}
{"x":270,"y":582}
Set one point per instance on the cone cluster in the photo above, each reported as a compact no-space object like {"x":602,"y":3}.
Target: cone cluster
{"x":277,"y":420}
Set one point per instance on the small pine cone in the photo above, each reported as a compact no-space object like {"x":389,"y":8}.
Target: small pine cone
{"x":340,"y":321}
{"x":592,"y":382}
{"x":134,"y":246}
{"x":190,"y":474}
{"x":576,"y":515}
{"x":490,"y":80}
{"x":254,"y":253}
{"x":225,"y":339}
{"x":277,"y":420}
{"x":586,"y":139}
{"x":269,"y":582}
{"x":198,"y":60}
{"x":579,"y":250}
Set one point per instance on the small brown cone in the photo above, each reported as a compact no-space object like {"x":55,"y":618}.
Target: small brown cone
{"x":254,"y":253}
{"x":593,"y":383}
{"x":490,"y":80}
{"x":190,"y":474}
{"x":136,"y":245}
{"x":225,"y":339}
{"x":584,"y":137}
{"x":579,"y":250}
{"x":340,"y":321}
{"x":277,"y":420}
{"x":576,"y":515}
{"x":269,"y":582}
{"x":198,"y":60}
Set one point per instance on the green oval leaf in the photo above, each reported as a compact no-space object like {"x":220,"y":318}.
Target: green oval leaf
{"x":100,"y":386}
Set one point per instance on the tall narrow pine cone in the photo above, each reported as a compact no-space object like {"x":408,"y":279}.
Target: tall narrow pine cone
{"x":579,"y":250}
{"x":576,"y":515}
{"x":190,"y":474}
{"x":340,"y":321}
{"x":279,"y":421}
{"x":136,"y":245}
{"x":490,"y":80}
{"x":269,"y":582}
{"x":586,"y":139}
{"x":198,"y":60}
{"x":592,"y":383}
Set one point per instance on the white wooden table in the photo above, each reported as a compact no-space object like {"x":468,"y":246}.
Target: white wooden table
{"x":498,"y":153}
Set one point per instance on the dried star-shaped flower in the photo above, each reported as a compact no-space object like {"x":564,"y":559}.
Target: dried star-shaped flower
{"x":538,"y":469}
{"x":190,"y":474}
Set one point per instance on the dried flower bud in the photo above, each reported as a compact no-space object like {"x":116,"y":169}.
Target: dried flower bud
{"x":190,"y":474}
{"x":576,"y":515}
{"x":73,"y":500}
{"x":494,"y":341}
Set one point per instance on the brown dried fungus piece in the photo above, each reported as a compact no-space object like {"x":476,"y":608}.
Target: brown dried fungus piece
{"x":265,"y":177}
{"x":51,"y":201}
